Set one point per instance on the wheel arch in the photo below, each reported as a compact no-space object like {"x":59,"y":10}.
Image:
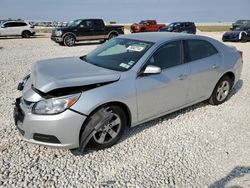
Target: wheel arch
{"x":231,"y":75}
{"x":122,"y":105}
{"x":26,"y":30}
{"x":69,"y":33}
{"x":113,"y":32}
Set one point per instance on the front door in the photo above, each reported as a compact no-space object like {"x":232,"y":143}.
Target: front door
{"x":8,"y":29}
{"x":85,"y":30}
{"x":160,"y":93}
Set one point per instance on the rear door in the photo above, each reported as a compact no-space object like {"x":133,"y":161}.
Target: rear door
{"x":159,"y":93}
{"x":20,"y":27}
{"x":99,"y":29}
{"x":204,"y":61}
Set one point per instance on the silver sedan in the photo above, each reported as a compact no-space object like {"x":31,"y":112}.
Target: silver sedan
{"x":74,"y":102}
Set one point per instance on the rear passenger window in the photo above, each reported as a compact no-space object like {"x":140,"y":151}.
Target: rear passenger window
{"x":20,"y":24}
{"x":98,"y":24}
{"x":168,"y":55}
{"x":198,"y":49}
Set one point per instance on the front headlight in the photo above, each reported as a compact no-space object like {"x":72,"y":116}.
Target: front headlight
{"x":55,"y":105}
{"x":58,"y":33}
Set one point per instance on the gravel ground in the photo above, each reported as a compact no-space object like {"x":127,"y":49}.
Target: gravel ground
{"x":199,"y":146}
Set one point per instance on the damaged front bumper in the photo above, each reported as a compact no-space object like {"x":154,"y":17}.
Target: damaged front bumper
{"x":58,"y":130}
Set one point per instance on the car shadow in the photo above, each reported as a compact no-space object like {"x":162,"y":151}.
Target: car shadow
{"x":130,"y":132}
{"x":19,"y":37}
{"x":235,"y":89}
{"x":237,"y":172}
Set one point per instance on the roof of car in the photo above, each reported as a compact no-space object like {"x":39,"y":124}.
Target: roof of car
{"x":14,"y":21}
{"x":181,"y":22}
{"x":157,"y":36}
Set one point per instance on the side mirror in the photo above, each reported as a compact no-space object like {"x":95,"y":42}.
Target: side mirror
{"x":151,"y":69}
{"x":2,"y":26}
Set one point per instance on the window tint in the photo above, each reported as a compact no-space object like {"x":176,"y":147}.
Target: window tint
{"x":88,"y":23}
{"x":21,"y":24}
{"x":168,"y":55}
{"x":15,"y":24}
{"x":9,"y":24}
{"x":198,"y":49}
{"x":98,"y":24}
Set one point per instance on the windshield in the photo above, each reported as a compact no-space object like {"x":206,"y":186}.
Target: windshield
{"x":118,"y":54}
{"x":242,"y":22}
{"x":143,"y":22}
{"x":74,"y":23}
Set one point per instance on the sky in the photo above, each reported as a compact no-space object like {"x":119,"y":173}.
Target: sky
{"x":127,"y":11}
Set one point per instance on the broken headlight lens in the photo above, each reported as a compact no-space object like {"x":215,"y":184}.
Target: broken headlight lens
{"x":55,"y":105}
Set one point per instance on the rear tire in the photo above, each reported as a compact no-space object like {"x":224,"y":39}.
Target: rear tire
{"x":69,"y":40}
{"x":26,"y":34}
{"x":221,"y":91}
{"x":110,"y":133}
{"x":243,"y":37}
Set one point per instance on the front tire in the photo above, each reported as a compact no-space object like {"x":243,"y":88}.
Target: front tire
{"x":221,"y":91}
{"x":110,"y":132}
{"x":69,"y":40}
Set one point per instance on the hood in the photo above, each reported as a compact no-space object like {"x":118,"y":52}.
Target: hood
{"x":68,"y":72}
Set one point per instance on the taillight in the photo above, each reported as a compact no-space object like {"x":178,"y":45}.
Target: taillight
{"x":241,"y":54}
{"x":32,"y":27}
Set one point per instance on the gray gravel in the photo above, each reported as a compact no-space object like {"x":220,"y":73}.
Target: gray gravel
{"x":199,"y":146}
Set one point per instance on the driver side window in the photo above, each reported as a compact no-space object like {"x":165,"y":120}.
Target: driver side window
{"x":168,"y":55}
{"x":87,"y":24}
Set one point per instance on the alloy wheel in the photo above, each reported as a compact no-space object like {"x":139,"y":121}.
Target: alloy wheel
{"x":223,"y":90}
{"x":109,"y":131}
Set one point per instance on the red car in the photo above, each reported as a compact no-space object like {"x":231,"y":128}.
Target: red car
{"x":146,"y":26}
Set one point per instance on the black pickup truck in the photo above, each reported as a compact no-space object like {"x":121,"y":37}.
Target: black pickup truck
{"x":85,"y":29}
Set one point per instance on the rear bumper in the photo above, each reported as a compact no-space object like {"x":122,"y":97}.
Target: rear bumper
{"x":60,"y":130}
{"x":56,"y":39}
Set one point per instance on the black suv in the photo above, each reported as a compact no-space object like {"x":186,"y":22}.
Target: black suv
{"x":182,"y":27}
{"x":85,"y":29}
{"x":239,"y":24}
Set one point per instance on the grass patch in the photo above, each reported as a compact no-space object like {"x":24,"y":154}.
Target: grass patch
{"x":215,"y":28}
{"x":43,"y":30}
{"x":127,"y":27}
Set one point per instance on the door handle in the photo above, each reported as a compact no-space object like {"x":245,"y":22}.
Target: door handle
{"x":215,"y":66}
{"x":181,"y":77}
